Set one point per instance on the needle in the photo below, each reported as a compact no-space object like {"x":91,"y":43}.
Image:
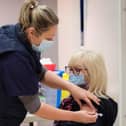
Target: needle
{"x":100,"y":114}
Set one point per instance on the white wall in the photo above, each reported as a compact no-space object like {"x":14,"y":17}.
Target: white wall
{"x":103,"y":21}
{"x":103,"y":36}
{"x":102,"y":33}
{"x":123,"y":66}
{"x":53,"y":51}
{"x":69,"y":29}
{"x":9,"y":11}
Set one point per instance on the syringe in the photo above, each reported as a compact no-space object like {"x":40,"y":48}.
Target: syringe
{"x":100,"y":114}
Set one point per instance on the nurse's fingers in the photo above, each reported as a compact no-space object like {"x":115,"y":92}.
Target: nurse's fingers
{"x":90,"y":103}
{"x":93,"y":98}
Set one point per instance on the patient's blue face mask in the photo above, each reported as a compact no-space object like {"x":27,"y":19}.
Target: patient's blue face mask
{"x":45,"y":44}
{"x":77,"y":79}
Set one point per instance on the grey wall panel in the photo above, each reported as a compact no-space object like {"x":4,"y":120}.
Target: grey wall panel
{"x":123,"y":62}
{"x":9,"y":11}
{"x":52,"y":52}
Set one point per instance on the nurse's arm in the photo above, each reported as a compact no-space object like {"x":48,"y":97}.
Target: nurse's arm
{"x":49,"y":112}
{"x":34,"y":106}
{"x":54,"y":81}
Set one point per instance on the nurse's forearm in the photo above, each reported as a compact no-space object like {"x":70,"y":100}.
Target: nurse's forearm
{"x":54,"y":81}
{"x":48,"y":112}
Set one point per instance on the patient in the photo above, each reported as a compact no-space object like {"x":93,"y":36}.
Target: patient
{"x":87,"y":70}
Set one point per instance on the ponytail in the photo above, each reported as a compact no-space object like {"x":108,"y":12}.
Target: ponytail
{"x":38,"y":16}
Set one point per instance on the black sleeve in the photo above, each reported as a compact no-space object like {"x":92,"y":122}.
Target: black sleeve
{"x":112,"y":108}
{"x":108,"y":108}
{"x":42,"y":73}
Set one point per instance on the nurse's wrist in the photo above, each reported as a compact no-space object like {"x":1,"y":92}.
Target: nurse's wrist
{"x":72,"y":88}
{"x":74,"y":116}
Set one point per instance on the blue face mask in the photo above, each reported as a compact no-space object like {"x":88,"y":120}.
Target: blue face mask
{"x":45,"y":44}
{"x":77,"y":79}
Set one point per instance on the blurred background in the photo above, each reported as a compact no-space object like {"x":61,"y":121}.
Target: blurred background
{"x":104,"y":30}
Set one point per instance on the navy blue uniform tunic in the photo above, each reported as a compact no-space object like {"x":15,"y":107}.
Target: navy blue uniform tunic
{"x":20,"y":72}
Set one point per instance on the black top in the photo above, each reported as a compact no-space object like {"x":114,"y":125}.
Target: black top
{"x":108,"y":107}
{"x":20,"y":72}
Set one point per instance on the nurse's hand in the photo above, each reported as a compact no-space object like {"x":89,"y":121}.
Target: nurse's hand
{"x":86,"y":117}
{"x":82,"y":94}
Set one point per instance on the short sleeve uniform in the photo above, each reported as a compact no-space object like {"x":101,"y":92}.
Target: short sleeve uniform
{"x":17,"y":78}
{"x":20,"y":72}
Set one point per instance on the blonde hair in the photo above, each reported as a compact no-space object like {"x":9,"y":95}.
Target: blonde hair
{"x":94,"y":63}
{"x":40,"y":17}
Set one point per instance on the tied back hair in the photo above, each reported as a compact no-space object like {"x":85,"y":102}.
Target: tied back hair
{"x":38,"y":16}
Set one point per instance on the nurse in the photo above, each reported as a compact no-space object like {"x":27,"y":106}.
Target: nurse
{"x":21,"y":71}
